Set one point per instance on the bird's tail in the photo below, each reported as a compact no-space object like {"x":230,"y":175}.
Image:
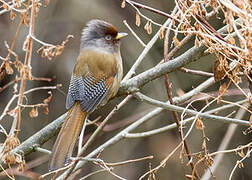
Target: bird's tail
{"x":63,"y":147}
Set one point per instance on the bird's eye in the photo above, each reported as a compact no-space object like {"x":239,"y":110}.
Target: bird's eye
{"x":108,"y":37}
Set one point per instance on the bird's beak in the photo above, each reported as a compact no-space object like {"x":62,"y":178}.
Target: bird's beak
{"x":120,"y":35}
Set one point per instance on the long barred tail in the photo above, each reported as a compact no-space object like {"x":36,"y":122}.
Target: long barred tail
{"x":63,"y":147}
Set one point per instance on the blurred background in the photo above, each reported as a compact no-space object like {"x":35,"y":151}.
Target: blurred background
{"x":65,"y":17}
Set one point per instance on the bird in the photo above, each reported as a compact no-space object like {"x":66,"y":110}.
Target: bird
{"x":95,"y":79}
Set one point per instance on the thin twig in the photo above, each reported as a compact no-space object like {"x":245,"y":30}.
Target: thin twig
{"x":196,"y":72}
{"x":169,"y":94}
{"x":132,"y":71}
{"x":129,"y":161}
{"x":138,"y":5}
{"x":225,"y":141}
{"x":95,"y":172}
{"x":174,"y":125}
{"x":189,"y":111}
{"x":134,"y":34}
{"x":18,"y":79}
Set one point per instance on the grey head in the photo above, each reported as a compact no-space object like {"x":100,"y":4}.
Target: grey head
{"x":101,"y":35}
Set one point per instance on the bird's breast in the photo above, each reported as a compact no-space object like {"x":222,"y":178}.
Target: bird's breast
{"x":98,"y":63}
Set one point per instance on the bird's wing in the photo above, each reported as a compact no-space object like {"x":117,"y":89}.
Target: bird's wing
{"x":89,"y":90}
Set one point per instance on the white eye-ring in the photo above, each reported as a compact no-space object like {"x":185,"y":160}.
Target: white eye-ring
{"x":108,"y":37}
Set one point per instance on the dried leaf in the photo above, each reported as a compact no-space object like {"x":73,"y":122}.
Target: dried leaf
{"x":26,"y":44}
{"x":241,"y":153}
{"x":149,"y":28}
{"x":26,"y":73}
{"x":161,"y":33}
{"x":199,"y":124}
{"x":11,"y":143}
{"x":219,"y":71}
{"x":240,"y":4}
{"x":176,"y":41}
{"x":8,"y":68}
{"x":222,"y":90}
{"x":146,"y":26}
{"x":204,"y":144}
{"x":240,"y":164}
{"x":18,"y":3}
{"x":10,"y":159}
{"x":37,"y":6}
{"x":26,"y":19}
{"x":48,"y":99}
{"x":46,"y":110}
{"x":123,"y":4}
{"x":197,"y":42}
{"x":47,"y":2}
{"x":229,"y":28}
{"x":15,"y":86}
{"x":21,"y":166}
{"x":12,"y":15}
{"x":231,"y":40}
{"x":209,"y":161}
{"x":58,"y":50}
{"x":5,"y":6}
{"x":138,"y":19}
{"x":34,"y":112}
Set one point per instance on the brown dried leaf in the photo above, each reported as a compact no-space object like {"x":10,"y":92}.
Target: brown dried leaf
{"x":37,"y":6}
{"x":146,"y":26}
{"x":231,"y":40}
{"x":8,"y":68}
{"x":26,"y":73}
{"x":11,"y":143}
{"x":46,"y":110}
{"x":15,"y":86}
{"x":48,"y":99}
{"x":222,"y":90}
{"x":240,"y":164}
{"x":6,"y":7}
{"x":47,"y":2}
{"x":197,"y":42}
{"x":10,"y":159}
{"x":12,"y":15}
{"x":209,"y":161}
{"x":149,"y":28}
{"x":21,"y":165}
{"x":219,"y":71}
{"x":34,"y":112}
{"x":18,"y":3}
{"x":138,"y":19}
{"x":204,"y":144}
{"x":176,"y":41}
{"x":241,"y":153}
{"x":199,"y":124}
{"x":123,"y":4}
{"x":26,"y":19}
{"x":58,"y":50}
{"x":26,"y":44}
{"x":161,"y":33}
{"x":230,"y":28}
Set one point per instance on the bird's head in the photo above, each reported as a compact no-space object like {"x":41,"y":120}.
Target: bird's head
{"x":102,"y":35}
